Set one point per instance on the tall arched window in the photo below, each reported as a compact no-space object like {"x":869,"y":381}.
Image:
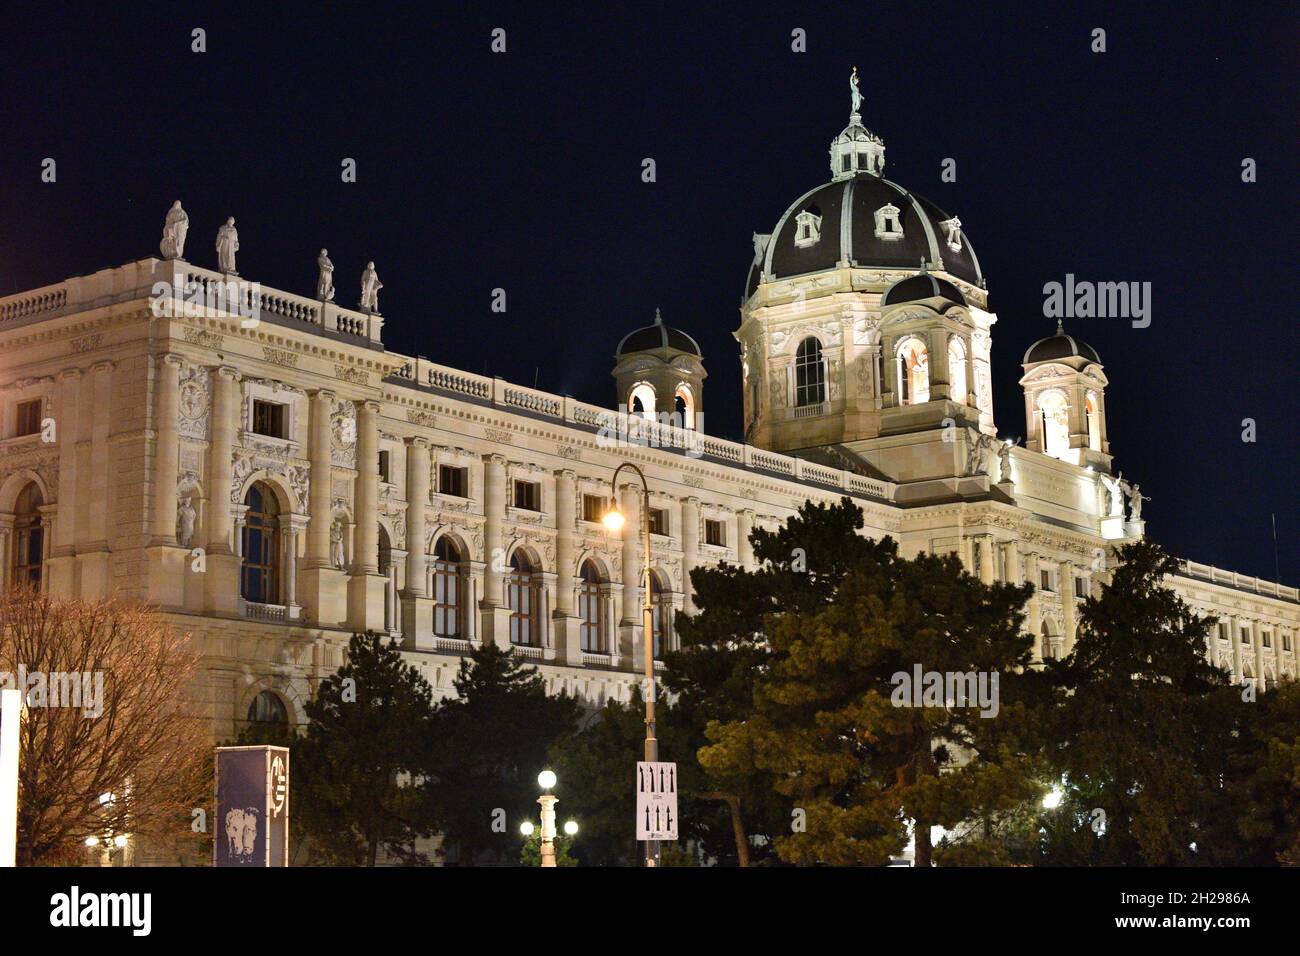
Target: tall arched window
{"x":641,"y":400}
{"x":267,"y":708}
{"x":1094,"y":421}
{"x":524,"y":588}
{"x":809,"y":374}
{"x":684,"y":406}
{"x":1054,"y":419}
{"x":591,"y":608}
{"x":913,"y":372}
{"x":385,"y":550}
{"x":957,"y":370}
{"x":448,"y":583}
{"x":259,"y":579}
{"x":661,"y":615}
{"x":28,"y":537}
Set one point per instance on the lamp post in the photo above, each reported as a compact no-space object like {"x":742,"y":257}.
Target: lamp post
{"x":614,"y":521}
{"x":548,"y":800}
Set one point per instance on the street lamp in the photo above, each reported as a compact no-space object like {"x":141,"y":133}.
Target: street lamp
{"x":548,"y":800}
{"x":614,"y":521}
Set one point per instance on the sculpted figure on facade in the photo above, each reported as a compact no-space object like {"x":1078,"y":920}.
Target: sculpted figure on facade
{"x":227,"y":245}
{"x":336,"y":542}
{"x":325,"y":283}
{"x":370,"y":286}
{"x":185,"y":515}
{"x":175,"y":226}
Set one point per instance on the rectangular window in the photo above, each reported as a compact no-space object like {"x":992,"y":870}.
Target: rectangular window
{"x":1286,"y":642}
{"x":715,"y":533}
{"x":528,"y":495}
{"x":1080,"y":588}
{"x":1267,"y":638}
{"x":594,"y":507}
{"x":453,"y":481}
{"x":1045,"y":580}
{"x":1223,"y":632}
{"x":659,"y":521}
{"x":29,"y":417}
{"x":385,"y":460}
{"x":268,"y":419}
{"x":1245,"y":635}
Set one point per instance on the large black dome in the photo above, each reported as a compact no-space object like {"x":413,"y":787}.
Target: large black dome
{"x":845,"y":211}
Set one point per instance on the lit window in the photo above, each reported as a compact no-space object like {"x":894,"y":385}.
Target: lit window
{"x":957,"y":370}
{"x":448,"y":579}
{"x":809,"y":374}
{"x":684,"y":406}
{"x":1094,"y":422}
{"x":1054,"y":420}
{"x":592,"y":597}
{"x":913,"y":372}
{"x":524,"y":596}
{"x":641,"y":400}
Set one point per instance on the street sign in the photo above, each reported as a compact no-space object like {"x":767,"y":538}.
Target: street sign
{"x":656,"y":801}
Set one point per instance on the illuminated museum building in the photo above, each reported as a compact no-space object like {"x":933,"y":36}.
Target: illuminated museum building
{"x":275,"y":485}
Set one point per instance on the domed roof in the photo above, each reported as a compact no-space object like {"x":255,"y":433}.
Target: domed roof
{"x":923,"y":286}
{"x":657,"y":336}
{"x":864,"y":220}
{"x":1060,"y":346}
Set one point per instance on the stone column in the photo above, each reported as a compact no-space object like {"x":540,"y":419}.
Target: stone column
{"x":1234,"y":624}
{"x":494,"y":509}
{"x":1033,"y":616}
{"x":320,"y":441}
{"x":62,"y":562}
{"x":365,"y":560}
{"x":1257,"y":641}
{"x":167,"y":451}
{"x":690,"y":548}
{"x":225,"y":410}
{"x":291,"y":565}
{"x":987,"y":571}
{"x":566,"y":490}
{"x":1011,"y":560}
{"x":744,"y":550}
{"x":417,"y":496}
{"x":1067,"y":604}
{"x":101,"y":427}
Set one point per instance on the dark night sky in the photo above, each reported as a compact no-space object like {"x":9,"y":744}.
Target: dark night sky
{"x":522,"y":171}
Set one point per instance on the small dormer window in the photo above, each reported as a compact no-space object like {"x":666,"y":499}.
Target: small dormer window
{"x":807,"y":229}
{"x":952,"y":232}
{"x":887,"y":223}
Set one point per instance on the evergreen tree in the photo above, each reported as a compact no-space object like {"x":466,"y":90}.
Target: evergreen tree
{"x":825,"y":727}
{"x":488,"y":745}
{"x":364,"y":756}
{"x":1143,"y":733}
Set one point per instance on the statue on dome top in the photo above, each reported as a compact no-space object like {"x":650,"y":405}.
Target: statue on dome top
{"x":853,"y":90}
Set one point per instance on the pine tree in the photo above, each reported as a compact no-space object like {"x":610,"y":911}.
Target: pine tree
{"x":365,"y":754}
{"x":488,"y":745}
{"x":1143,"y":732}
{"x":824,"y":725}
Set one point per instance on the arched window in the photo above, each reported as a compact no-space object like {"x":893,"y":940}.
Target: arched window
{"x":29,"y":538}
{"x":957,"y":370}
{"x":684,"y":406}
{"x":267,"y":708}
{"x":913,"y":372}
{"x":448,"y":583}
{"x":524,"y":592}
{"x":1094,"y":421}
{"x":1045,"y":643}
{"x":259,"y":579}
{"x":809,"y":374}
{"x":1054,"y":419}
{"x":591,"y":608}
{"x":661,"y":615}
{"x":641,"y":400}
{"x":385,"y":551}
